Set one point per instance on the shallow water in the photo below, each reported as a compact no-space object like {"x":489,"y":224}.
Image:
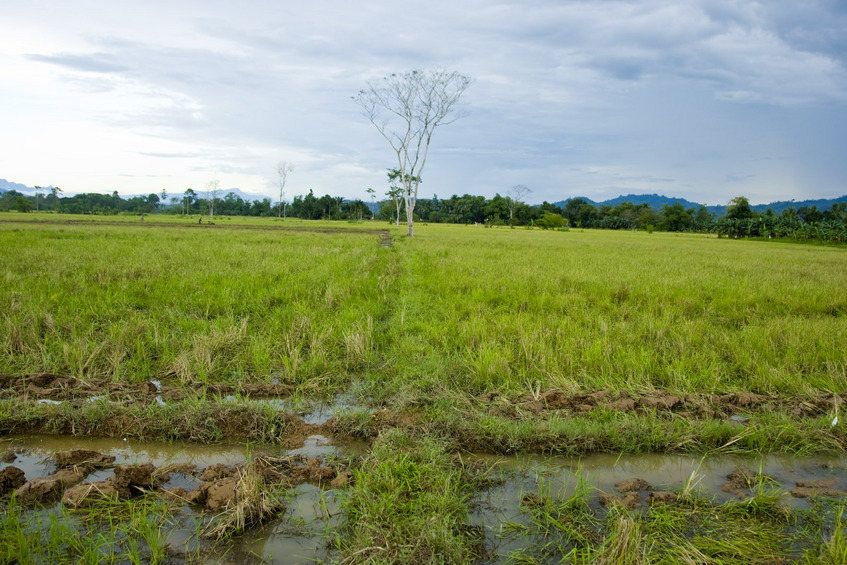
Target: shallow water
{"x":558,"y":477}
{"x":303,"y":533}
{"x":297,"y":537}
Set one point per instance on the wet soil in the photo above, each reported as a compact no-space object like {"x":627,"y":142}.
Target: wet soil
{"x":49,"y":386}
{"x":736,"y":406}
{"x":691,"y":406}
{"x":214,"y":486}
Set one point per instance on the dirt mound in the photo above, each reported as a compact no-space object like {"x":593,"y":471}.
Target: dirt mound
{"x":61,"y":387}
{"x":83,"y":496}
{"x":70,"y":475}
{"x":127,"y":482}
{"x":823,"y":487}
{"x":218,"y":495}
{"x":663,"y":497}
{"x":704,"y":406}
{"x":633,"y":485}
{"x":630,"y":501}
{"x":742,"y":482}
{"x":82,"y":458}
{"x":216,"y":472}
{"x":40,"y":489}
{"x":10,"y":479}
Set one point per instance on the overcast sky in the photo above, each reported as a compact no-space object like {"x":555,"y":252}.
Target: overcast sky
{"x":705,"y":100}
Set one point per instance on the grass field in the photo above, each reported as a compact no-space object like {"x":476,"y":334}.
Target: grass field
{"x":495,"y":340}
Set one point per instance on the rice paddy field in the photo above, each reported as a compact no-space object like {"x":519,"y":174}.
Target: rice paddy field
{"x":467,"y":395}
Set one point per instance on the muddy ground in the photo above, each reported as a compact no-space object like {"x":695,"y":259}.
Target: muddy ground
{"x":215,"y":487}
{"x":48,"y":386}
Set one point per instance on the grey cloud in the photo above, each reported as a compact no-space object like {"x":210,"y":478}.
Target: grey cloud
{"x":171,"y":155}
{"x":94,"y":62}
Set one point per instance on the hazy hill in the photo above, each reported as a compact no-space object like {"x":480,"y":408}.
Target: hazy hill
{"x":6,"y":186}
{"x":657,"y":201}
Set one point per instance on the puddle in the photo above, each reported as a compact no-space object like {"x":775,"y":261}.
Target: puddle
{"x":498,"y":507}
{"x":48,"y":401}
{"x":315,"y":412}
{"x":298,"y":535}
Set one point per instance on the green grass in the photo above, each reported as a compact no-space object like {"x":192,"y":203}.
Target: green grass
{"x":427,"y":324}
{"x":408,"y":504}
{"x":197,"y":305}
{"x":108,"y":532}
{"x":502,"y":310}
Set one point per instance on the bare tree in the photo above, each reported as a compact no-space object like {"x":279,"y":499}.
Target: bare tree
{"x":516,"y":194}
{"x":282,"y":170}
{"x":405,"y":109}
{"x":212,"y":189}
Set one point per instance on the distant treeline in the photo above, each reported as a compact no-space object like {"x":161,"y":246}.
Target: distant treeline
{"x":740,"y":220}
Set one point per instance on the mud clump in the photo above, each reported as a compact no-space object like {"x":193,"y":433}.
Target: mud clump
{"x":292,"y":471}
{"x":630,"y":501}
{"x":216,"y":472}
{"x":689,"y":406}
{"x":72,"y":467}
{"x":745,"y":399}
{"x":83,"y":496}
{"x":632,"y":485}
{"x":806,"y":489}
{"x":622,"y":405}
{"x":11,"y":478}
{"x":136,"y":478}
{"x":70,"y":475}
{"x":805,"y":492}
{"x":663,"y":497}
{"x":313,"y":472}
{"x":60,"y":387}
{"x":741,"y":482}
{"x":40,"y":489}
{"x":218,"y":495}
{"x":128,"y":481}
{"x":8,"y":456}
{"x":341,"y":480}
{"x":82,"y":458}
{"x":659,"y":403}
{"x":175,"y":494}
{"x":532,"y":500}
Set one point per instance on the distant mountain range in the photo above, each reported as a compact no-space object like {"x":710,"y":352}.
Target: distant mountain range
{"x":657,"y":201}
{"x":6,"y":186}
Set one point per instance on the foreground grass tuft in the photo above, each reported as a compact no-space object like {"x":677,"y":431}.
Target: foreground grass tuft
{"x":408,"y":504}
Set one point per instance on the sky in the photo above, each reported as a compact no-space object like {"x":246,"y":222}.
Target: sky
{"x":704,"y":100}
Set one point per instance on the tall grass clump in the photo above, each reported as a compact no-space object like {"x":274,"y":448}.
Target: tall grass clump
{"x":408,"y":504}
